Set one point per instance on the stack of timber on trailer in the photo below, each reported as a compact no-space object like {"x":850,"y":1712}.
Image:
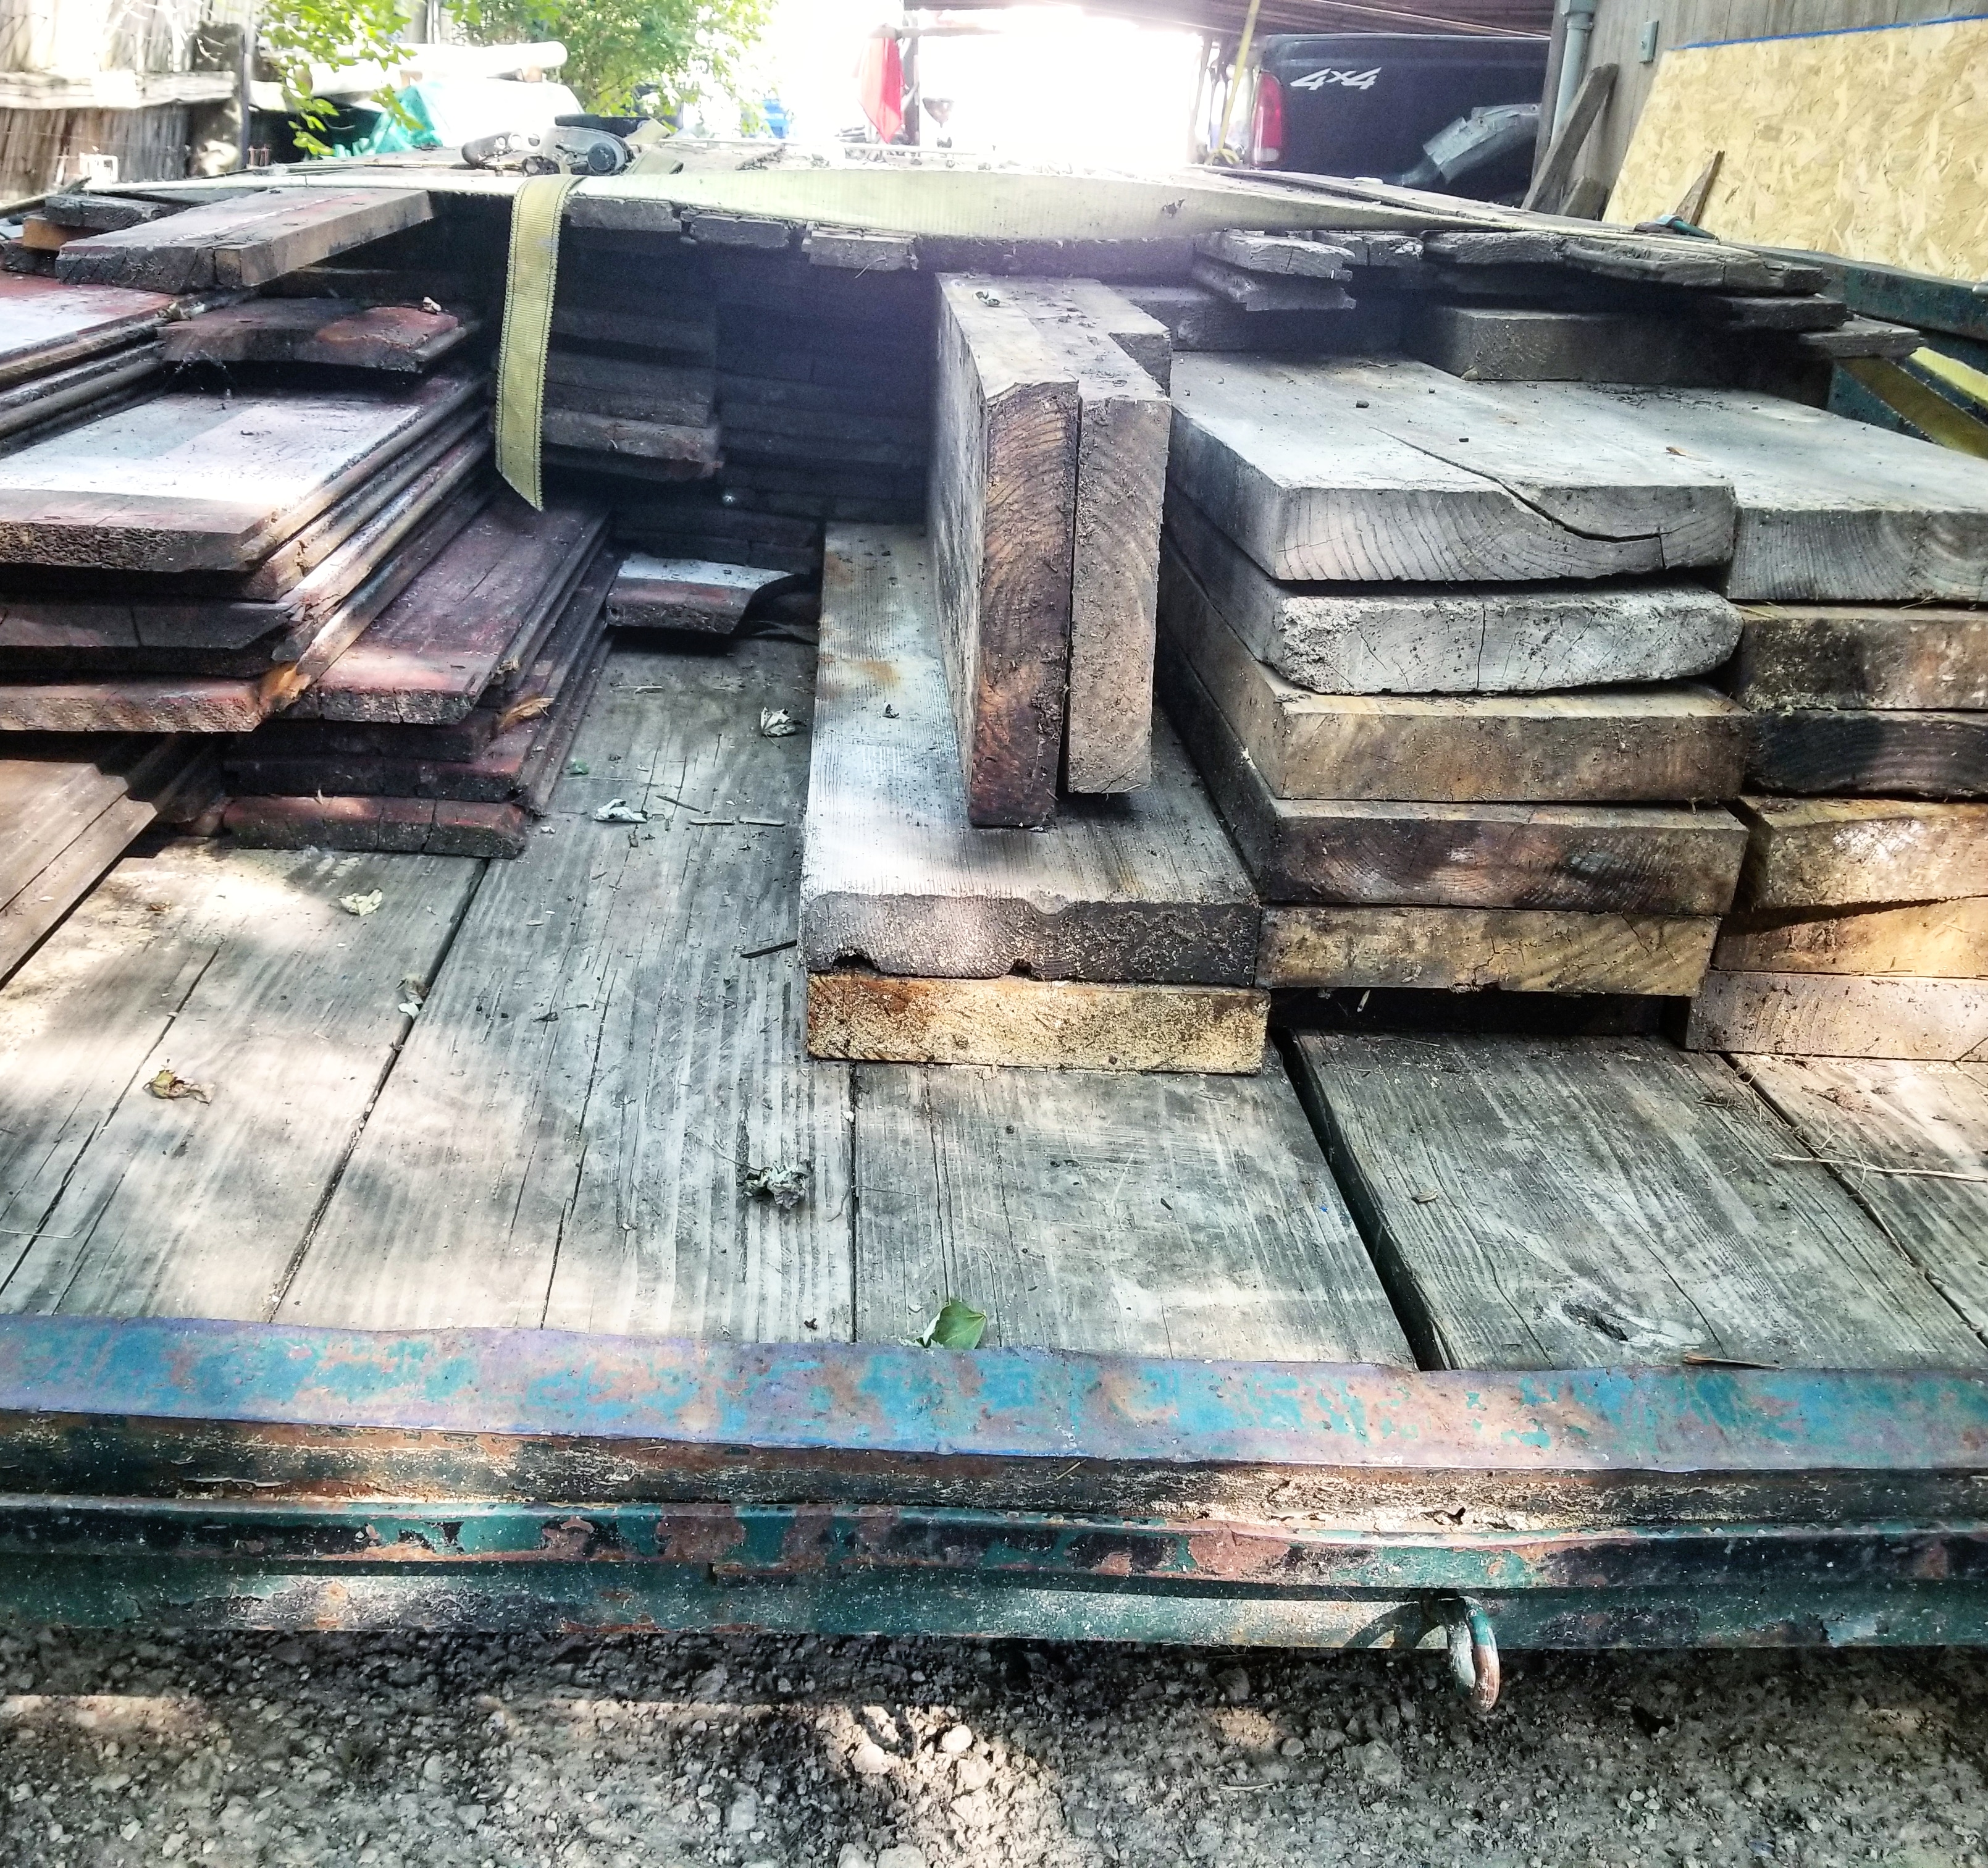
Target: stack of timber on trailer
{"x":615,"y":1175}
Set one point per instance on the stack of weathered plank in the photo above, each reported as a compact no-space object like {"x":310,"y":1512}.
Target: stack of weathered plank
{"x":1432,"y":644}
{"x":66,"y":353}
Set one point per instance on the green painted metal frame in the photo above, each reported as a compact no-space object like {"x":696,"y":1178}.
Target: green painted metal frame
{"x":242,"y":1475}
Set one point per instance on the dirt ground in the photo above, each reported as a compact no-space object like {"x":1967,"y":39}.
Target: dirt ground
{"x":679,"y":1752}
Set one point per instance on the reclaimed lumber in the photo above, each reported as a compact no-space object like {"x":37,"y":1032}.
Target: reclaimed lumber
{"x":189,"y":481}
{"x":1861,"y":655}
{"x":1440,"y":639}
{"x":1594,"y":859}
{"x":1657,"y":259}
{"x":1257,"y":292}
{"x":690,"y":593}
{"x":1934,"y":940}
{"x":679,"y":394}
{"x":1286,"y":255}
{"x":1519,"y":1222}
{"x":44,"y":326}
{"x":406,"y":827}
{"x":1196,"y":319}
{"x":1018,"y":1190}
{"x":1000,"y":494}
{"x":1513,"y":344}
{"x":1834,"y":852}
{"x":1045,"y":1024}
{"x":313,"y":331}
{"x":1123,"y":422}
{"x":1926,"y":1123}
{"x":91,"y":213}
{"x":105,"y":379}
{"x":1840,"y":1015}
{"x":1855,"y":753}
{"x":1474,"y":949}
{"x":1363,"y":470}
{"x":695,"y":447}
{"x":1144,"y":887}
{"x":241,"y":242}
{"x":1669,"y":745}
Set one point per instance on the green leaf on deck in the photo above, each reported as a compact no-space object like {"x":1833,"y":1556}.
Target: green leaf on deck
{"x":957,"y":1326}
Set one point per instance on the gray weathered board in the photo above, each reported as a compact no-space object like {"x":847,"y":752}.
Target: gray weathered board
{"x":1003,"y":486}
{"x":1554,"y":1204}
{"x":1445,"y":640}
{"x":1147,"y":1215}
{"x":1479,"y":950}
{"x":1865,"y":753}
{"x":1834,"y":852}
{"x":1841,"y":1015}
{"x":244,"y":241}
{"x":1592,"y":859}
{"x":44,"y":326}
{"x":72,"y":392}
{"x":1123,"y":419}
{"x":686,"y":593}
{"x":1511,"y":343}
{"x":1860,"y":655}
{"x":1360,"y":470}
{"x":1142,"y":887}
{"x":1936,"y":940}
{"x":1908,"y":1140}
{"x":198,"y":481}
{"x":338,"y":332}
{"x":1667,"y":745}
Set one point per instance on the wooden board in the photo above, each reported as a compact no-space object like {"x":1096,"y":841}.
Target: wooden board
{"x":1855,"y":655}
{"x":637,"y":389}
{"x":1841,"y":1015}
{"x":1019,"y":1192}
{"x":1830,"y":510}
{"x":1278,"y":255}
{"x":1557,"y":1204}
{"x":1594,"y":859}
{"x":335,"y":331}
{"x":197,"y":482}
{"x":242,"y":242}
{"x":555,"y":1149}
{"x":1358,"y":470}
{"x":1869,"y":754}
{"x":1048,"y":1024}
{"x":1123,"y":420}
{"x":405,"y":826}
{"x":38,"y":401}
{"x":1856,"y":142}
{"x":1002,"y":490}
{"x":1938,"y":939}
{"x":693,"y":446}
{"x":689,"y":593}
{"x":1686,"y":261}
{"x":44,"y":326}
{"x":1256,"y":293}
{"x":1445,"y":640}
{"x":1471,"y":949}
{"x":1142,"y":888}
{"x":1670,"y":745}
{"x":1832,"y":852}
{"x":238,"y":972}
{"x":1926,"y":1123}
{"x":486,"y":600}
{"x":1511,"y":343}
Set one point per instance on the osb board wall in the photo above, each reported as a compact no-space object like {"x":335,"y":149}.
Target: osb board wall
{"x":1618,"y":27}
{"x":1871,"y":144}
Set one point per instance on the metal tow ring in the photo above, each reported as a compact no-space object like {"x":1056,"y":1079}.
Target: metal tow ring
{"x":1473,"y":1653}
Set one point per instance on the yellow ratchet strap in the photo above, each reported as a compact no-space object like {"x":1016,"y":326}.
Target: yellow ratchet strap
{"x":529,"y":285}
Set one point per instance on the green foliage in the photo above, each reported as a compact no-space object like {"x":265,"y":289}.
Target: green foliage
{"x":297,"y":34}
{"x":614,"y":47}
{"x":957,"y":1326}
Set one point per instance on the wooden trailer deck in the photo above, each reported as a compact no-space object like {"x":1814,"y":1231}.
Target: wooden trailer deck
{"x":525,"y":1098}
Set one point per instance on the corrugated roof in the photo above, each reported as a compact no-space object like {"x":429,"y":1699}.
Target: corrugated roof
{"x":1225,"y":18}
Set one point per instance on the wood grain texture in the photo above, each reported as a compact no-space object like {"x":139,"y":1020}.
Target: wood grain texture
{"x":1002,"y":489}
{"x":1857,"y":753}
{"x":1936,"y":940}
{"x":1047,"y":1024}
{"x":1928,"y":1120}
{"x":1672,"y":745}
{"x":313,"y":331}
{"x":696,"y":446}
{"x":1537,"y":1204}
{"x":241,"y":242}
{"x":93,"y":386}
{"x":1445,"y":639}
{"x":44,"y":326}
{"x":1511,"y":343}
{"x":240,"y":973}
{"x":1123,"y":420}
{"x":197,"y":482}
{"x":406,"y":826}
{"x":1145,"y":887}
{"x":1473,"y":949}
{"x":1840,"y":1015}
{"x":686,"y":593}
{"x":1356,"y":470}
{"x":1257,"y":292}
{"x":636,"y":389}
{"x":1594,"y":859}
{"x":1281,"y":255}
{"x":1834,"y":852}
{"x":1162,"y":1216}
{"x":1856,"y":655}
{"x":564,"y":1140}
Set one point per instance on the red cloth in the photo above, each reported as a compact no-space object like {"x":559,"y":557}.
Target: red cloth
{"x":879,"y":83}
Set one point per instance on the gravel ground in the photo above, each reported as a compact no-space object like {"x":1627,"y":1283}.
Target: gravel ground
{"x":666,"y":1752}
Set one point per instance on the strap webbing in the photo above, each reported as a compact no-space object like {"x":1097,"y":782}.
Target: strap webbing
{"x":528,"y":324}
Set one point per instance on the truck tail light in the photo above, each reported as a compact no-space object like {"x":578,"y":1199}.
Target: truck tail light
{"x":1266,"y":132}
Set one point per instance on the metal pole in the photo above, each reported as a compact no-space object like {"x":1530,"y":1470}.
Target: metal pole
{"x":1573,"y":58}
{"x":1219,"y":153}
